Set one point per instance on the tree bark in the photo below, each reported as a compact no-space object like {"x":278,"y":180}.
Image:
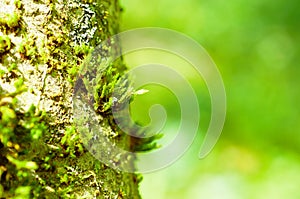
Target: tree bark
{"x":42,"y":45}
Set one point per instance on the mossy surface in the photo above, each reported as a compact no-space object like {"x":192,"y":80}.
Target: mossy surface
{"x":42,"y":45}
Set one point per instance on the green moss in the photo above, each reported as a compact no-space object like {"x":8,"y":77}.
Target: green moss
{"x":71,"y":142}
{"x":18,"y":4}
{"x":80,"y":52}
{"x":5,"y":44}
{"x":28,"y":49}
{"x":33,"y":138}
{"x":104,"y":89}
{"x":11,"y":20}
{"x":20,"y":131}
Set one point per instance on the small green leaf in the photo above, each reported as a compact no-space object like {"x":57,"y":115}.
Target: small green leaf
{"x":141,"y":92}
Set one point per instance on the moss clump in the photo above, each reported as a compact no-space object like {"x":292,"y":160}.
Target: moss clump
{"x":11,"y":20}
{"x":5,"y":44}
{"x":71,"y":142}
{"x":28,"y":49}
{"x":104,"y":89}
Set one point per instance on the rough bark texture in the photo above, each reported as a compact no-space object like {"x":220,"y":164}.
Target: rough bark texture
{"x":42,"y":45}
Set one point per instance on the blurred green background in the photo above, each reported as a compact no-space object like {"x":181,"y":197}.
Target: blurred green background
{"x":255,"y":45}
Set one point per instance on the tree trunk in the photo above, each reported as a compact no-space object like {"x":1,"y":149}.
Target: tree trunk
{"x":42,"y":45}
